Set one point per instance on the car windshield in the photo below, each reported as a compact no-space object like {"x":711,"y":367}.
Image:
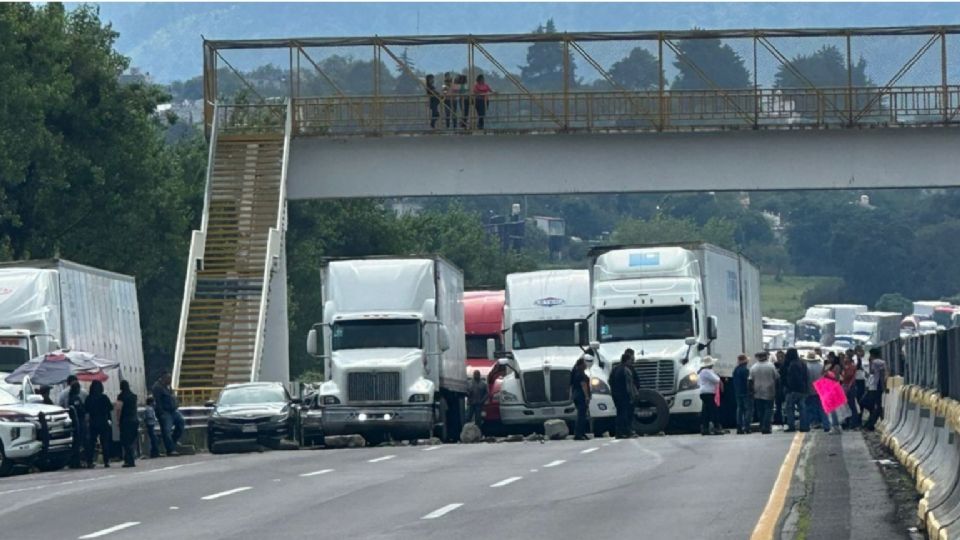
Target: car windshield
{"x":6,"y":398}
{"x":477,"y":345}
{"x":533,"y":334}
{"x":377,"y":333}
{"x":668,"y":322}
{"x":13,"y":354}
{"x":808,"y":332}
{"x":251,"y":395}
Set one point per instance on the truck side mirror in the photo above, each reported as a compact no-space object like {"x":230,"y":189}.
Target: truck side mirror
{"x":54,"y":345}
{"x":444,"y":338}
{"x":595,"y":345}
{"x":690,"y":341}
{"x":712,"y":327}
{"x":312,"y":342}
{"x":491,"y":348}
{"x":504,"y":361}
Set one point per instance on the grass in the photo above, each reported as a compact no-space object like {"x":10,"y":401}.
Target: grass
{"x":784,"y":299}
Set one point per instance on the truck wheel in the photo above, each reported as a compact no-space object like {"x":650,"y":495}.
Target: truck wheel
{"x":440,"y":430}
{"x":6,"y":466}
{"x":651,"y":414}
{"x":454,"y":419}
{"x":601,"y":426}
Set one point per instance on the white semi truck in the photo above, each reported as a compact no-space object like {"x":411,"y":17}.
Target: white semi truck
{"x":877,"y":328}
{"x":546,"y":320}
{"x":674,"y":304}
{"x":51,"y":304}
{"x":815,"y":332}
{"x":393,"y":348}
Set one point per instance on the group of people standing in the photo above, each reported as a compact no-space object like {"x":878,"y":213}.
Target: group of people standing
{"x":863,"y":381}
{"x":92,"y":416}
{"x":457,"y":99}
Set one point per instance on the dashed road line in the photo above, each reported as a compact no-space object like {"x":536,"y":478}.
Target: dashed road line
{"x":590,"y":450}
{"x":109,"y":530}
{"x":174,"y":507}
{"x":440,"y":512}
{"x":432,"y":448}
{"x":506,"y":482}
{"x":381,"y":458}
{"x":554,"y":463}
{"x":225,"y":493}
{"x":316,"y":473}
{"x":615,"y":441}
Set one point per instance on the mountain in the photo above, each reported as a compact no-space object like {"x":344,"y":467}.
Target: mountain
{"x":164,"y":39}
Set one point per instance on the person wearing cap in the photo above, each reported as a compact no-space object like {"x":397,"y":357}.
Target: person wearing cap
{"x":814,"y":407}
{"x":580,"y":390}
{"x":763,"y":380}
{"x":709,"y":385}
{"x":741,"y":390}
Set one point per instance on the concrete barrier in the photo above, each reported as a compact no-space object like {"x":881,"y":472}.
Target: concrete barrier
{"x":895,"y":418}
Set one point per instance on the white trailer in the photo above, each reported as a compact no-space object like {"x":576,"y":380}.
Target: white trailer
{"x":546,"y":321}
{"x":842,"y":314}
{"x":50,"y":304}
{"x":924,"y":309}
{"x":673,"y":304}
{"x":394,"y":347}
{"x":877,"y":328}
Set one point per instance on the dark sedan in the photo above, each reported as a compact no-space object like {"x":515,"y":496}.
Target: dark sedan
{"x":252,"y":413}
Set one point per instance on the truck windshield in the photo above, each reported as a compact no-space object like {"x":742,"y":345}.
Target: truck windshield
{"x":477,"y":345}
{"x":533,"y":334}
{"x":377,"y":333}
{"x":668,"y":322}
{"x":808,"y":332}
{"x":13,"y":354}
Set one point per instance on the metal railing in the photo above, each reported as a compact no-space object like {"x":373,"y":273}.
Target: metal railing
{"x":637,"y":111}
{"x":912,"y":81}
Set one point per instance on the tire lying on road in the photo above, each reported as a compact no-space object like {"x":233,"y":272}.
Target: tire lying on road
{"x":651,"y":413}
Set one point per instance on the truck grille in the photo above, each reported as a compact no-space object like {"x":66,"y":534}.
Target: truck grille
{"x":535,"y":386}
{"x":383,"y":386}
{"x":655,"y":375}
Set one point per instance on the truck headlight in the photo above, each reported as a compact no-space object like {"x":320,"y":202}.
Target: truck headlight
{"x":598,"y":386}
{"x":690,"y":382}
{"x":507,"y":397}
{"x":331,"y":400}
{"x":419,"y":398}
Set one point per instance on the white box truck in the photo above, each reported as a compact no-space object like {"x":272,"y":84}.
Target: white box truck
{"x":842,"y":314}
{"x":546,"y":320}
{"x":51,"y":304}
{"x":673,"y":304}
{"x":393,"y":348}
{"x":877,"y":328}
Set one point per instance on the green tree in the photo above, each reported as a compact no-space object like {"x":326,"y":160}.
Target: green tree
{"x":894,"y":302}
{"x":722,"y":65}
{"x":407,"y":80}
{"x":637,"y":71}
{"x":937,"y":254}
{"x":544,"y":68}
{"x":660,"y":229}
{"x":825,"y":68}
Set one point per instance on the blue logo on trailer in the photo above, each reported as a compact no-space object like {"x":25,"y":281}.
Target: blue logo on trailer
{"x":645,"y":259}
{"x":550,"y":301}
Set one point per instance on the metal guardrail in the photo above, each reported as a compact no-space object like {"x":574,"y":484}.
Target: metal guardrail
{"x":930,"y":361}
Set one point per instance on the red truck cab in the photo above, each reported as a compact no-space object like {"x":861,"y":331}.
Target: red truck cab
{"x":483,"y":318}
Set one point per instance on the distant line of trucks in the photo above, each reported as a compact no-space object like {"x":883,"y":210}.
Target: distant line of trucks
{"x":395,"y":343}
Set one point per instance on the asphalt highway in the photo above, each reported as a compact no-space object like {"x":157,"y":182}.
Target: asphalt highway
{"x":684,"y":486}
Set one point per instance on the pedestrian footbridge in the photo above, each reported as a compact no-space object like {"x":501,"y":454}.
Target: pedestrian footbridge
{"x":788,"y":125}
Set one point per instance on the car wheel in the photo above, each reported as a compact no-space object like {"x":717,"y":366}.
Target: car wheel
{"x":651,"y":413}
{"x":212,"y":445}
{"x":6,"y":466}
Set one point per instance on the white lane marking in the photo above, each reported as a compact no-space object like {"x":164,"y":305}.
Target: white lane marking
{"x":382,"y":458}
{"x":174,"y":507}
{"x":225,"y":493}
{"x":533,"y":470}
{"x":316,"y":473}
{"x":437,"y":447}
{"x":107,"y":531}
{"x":506,"y":482}
{"x":605,"y":444}
{"x":590,"y":450}
{"x":442,"y":511}
{"x":615,"y":441}
{"x":554,"y":463}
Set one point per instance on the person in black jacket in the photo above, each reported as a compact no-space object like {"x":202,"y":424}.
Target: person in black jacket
{"x":580,"y":391}
{"x":129,"y":423}
{"x":98,"y":408}
{"x":796,"y":385}
{"x":623,"y":390}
